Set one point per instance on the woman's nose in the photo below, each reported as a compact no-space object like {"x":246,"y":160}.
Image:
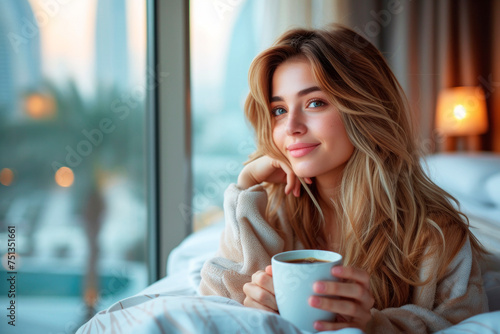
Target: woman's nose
{"x":295,"y":124}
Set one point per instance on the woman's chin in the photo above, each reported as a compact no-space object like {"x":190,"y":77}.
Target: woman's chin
{"x":303,"y":174}
{"x":304,"y":169}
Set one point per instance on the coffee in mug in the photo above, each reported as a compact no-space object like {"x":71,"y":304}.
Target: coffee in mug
{"x":306,"y":260}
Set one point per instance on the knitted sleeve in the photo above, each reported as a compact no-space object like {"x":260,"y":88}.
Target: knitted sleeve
{"x":247,"y":244}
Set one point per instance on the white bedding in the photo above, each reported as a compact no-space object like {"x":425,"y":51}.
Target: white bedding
{"x":171,"y":313}
{"x":172,"y":304}
{"x":187,"y":314}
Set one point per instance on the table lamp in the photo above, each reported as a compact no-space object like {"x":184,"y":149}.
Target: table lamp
{"x":461,"y":112}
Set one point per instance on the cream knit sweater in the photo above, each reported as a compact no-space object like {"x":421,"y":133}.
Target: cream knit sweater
{"x":248,"y":243}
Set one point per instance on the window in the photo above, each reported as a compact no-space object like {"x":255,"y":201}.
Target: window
{"x":222,"y":48}
{"x":74,"y":155}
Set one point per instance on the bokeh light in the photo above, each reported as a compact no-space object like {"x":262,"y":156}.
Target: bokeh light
{"x":6,"y":176}
{"x":64,"y":177}
{"x":39,"y":106}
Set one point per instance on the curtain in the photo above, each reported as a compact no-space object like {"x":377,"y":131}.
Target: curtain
{"x":433,"y":45}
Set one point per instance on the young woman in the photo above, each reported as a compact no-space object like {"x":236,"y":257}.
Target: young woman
{"x":337,"y":168}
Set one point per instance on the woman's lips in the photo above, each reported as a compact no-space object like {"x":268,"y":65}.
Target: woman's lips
{"x":299,"y":150}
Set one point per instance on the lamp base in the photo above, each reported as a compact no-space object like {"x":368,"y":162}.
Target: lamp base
{"x":449,"y":144}
{"x":472,"y":143}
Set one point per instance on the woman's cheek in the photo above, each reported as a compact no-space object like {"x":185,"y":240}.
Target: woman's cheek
{"x":278,"y":138}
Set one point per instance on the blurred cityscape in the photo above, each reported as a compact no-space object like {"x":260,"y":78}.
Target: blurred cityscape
{"x":72,"y":160}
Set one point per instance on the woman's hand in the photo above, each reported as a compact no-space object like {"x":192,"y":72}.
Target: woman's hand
{"x":265,"y":169}
{"x":353,"y":306}
{"x":260,"y":292}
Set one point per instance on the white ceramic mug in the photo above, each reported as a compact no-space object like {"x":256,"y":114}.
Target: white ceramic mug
{"x":293,"y":285}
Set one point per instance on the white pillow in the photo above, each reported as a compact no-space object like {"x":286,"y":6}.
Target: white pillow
{"x":493,"y":189}
{"x":464,"y":174}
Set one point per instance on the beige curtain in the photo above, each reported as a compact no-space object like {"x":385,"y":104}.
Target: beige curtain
{"x":433,"y":45}
{"x":429,"y":44}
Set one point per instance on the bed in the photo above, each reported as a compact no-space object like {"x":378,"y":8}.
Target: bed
{"x":172,"y":304}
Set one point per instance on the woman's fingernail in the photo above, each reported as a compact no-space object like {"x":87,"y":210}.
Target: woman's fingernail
{"x":318,"y":326}
{"x":319,"y":287}
{"x":314,"y":301}
{"x":337,"y":270}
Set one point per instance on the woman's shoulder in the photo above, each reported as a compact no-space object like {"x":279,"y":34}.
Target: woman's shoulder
{"x":449,"y":239}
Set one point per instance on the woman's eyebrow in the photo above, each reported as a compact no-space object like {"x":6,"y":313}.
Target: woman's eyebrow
{"x":303,"y":92}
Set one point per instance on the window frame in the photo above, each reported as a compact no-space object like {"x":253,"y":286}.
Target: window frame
{"x":170,"y":179}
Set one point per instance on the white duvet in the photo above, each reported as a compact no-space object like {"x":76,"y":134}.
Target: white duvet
{"x":172,"y":305}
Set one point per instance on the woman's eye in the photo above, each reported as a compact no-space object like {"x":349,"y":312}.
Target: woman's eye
{"x":278,"y":111}
{"x":316,"y":104}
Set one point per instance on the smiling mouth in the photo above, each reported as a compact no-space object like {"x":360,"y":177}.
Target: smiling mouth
{"x":301,"y":150}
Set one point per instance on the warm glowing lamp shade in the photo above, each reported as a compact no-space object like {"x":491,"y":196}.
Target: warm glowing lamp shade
{"x":461,"y":111}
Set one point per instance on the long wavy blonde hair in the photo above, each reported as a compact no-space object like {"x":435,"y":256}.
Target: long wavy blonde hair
{"x":392,"y":217}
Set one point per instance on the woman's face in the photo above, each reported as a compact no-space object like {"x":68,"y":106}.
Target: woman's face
{"x":307,"y":128}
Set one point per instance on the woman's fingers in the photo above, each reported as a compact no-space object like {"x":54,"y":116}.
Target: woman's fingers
{"x":348,"y":309}
{"x":355,"y":285}
{"x":286,"y":175}
{"x":296,"y":188}
{"x":290,"y":179}
{"x":345,"y":307}
{"x":249,"y":302}
{"x":290,"y":183}
{"x":339,"y":289}
{"x":352,"y":291}
{"x":264,"y":280}
{"x":354,"y":274}
{"x":353,"y":299}
{"x":269,"y":271}
{"x":258,"y":297}
{"x":260,"y":291}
